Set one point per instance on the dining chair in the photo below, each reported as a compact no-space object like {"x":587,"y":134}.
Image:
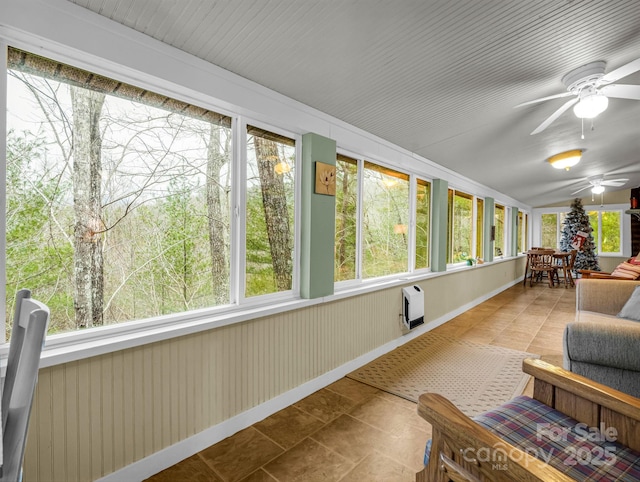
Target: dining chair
{"x":567,"y":269}
{"x":28,"y":332}
{"x":541,"y":262}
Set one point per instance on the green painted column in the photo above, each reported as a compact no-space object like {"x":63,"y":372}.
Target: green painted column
{"x":514,"y":231}
{"x":489,"y":220}
{"x":318,"y":220}
{"x":439,"y":224}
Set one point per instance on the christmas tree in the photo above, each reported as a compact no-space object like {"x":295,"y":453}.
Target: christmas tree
{"x":576,"y":234}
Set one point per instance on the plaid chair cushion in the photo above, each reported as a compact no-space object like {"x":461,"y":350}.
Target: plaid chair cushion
{"x":579,"y":451}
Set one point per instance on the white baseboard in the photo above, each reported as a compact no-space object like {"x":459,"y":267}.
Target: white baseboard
{"x":173,"y":454}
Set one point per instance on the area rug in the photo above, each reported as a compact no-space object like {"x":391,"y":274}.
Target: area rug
{"x":475,"y":377}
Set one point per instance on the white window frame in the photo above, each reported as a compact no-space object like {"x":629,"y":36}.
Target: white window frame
{"x":474,"y":222}
{"x":260,"y":300}
{"x":625,"y":225}
{"x":78,"y":344}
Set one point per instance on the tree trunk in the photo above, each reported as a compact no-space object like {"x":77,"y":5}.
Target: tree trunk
{"x":217,"y":217}
{"x":275,"y":211}
{"x":87,"y":179}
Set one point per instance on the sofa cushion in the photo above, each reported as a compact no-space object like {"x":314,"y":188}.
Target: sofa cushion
{"x":578,"y":451}
{"x":631,"y":309}
{"x":627,"y":270}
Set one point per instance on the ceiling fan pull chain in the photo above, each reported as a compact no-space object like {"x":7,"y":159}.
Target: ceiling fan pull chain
{"x":582,"y":136}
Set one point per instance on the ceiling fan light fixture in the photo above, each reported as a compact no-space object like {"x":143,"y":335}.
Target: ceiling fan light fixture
{"x":597,"y":189}
{"x":566,"y":160}
{"x":591,"y":105}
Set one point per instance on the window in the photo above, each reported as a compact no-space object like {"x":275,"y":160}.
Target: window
{"x":346,"y":218}
{"x":117,"y":198}
{"x":379,"y":245}
{"x":606,"y":233}
{"x":523,"y":227}
{"x":270,"y":197}
{"x":499,"y":222}
{"x":479,"y":227}
{"x":423,"y":223}
{"x":460,"y":232}
{"x":606,"y":225}
{"x":385,"y":221}
{"x":550,"y":230}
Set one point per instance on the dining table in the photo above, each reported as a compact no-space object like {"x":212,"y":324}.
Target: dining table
{"x":562,"y":257}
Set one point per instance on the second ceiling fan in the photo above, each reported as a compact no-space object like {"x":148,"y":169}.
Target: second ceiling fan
{"x":591,"y":88}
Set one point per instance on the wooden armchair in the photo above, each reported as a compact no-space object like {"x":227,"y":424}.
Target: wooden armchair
{"x":462,"y":450}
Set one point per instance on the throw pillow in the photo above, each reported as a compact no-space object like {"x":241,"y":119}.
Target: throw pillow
{"x":627,"y":270}
{"x":631,"y":309}
{"x":635,"y":260}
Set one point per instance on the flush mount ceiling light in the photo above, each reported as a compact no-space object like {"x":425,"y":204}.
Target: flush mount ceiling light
{"x":591,"y":104}
{"x":566,"y":160}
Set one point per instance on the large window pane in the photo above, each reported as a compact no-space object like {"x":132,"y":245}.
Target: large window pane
{"x":520,"y":229}
{"x":270,"y":212}
{"x":499,"y":217}
{"x":346,"y":218}
{"x":423,"y":223}
{"x":117,"y":198}
{"x":385,"y":216}
{"x":461,"y":227}
{"x":550,"y":230}
{"x":610,"y":240}
{"x":593,"y":222}
{"x":479,"y":228}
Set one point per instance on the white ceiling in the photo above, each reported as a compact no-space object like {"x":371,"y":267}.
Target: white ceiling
{"x":439,"y":78}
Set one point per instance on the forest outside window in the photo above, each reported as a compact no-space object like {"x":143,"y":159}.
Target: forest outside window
{"x":499,"y":223}
{"x":270,"y":196}
{"x":607,"y":226}
{"x":118,"y":199}
{"x":346,"y":218}
{"x":550,"y":229}
{"x":385,"y":221}
{"x":479,"y":234}
{"x":423,"y":223}
{"x":523,"y":226}
{"x":460,"y":233}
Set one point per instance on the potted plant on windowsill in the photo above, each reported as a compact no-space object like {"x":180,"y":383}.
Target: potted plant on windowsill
{"x":470,"y":261}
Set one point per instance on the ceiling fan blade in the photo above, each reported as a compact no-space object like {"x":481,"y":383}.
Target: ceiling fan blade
{"x":621,"y":72}
{"x":622,"y":91}
{"x":614,"y":182}
{"x":581,"y":189}
{"x":557,"y":96}
{"x":554,"y":116}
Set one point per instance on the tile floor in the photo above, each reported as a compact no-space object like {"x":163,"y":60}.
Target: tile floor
{"x":352,"y":432}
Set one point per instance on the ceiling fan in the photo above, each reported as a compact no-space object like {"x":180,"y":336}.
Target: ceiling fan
{"x":591,"y":88}
{"x":598,"y":183}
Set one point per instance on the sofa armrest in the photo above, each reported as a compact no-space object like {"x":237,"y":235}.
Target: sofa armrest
{"x":606,"y":296}
{"x":613,"y":344}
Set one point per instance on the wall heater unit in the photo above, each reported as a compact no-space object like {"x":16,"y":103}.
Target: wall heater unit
{"x":412,"y":307}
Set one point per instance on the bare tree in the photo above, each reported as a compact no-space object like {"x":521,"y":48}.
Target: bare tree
{"x":276,"y":214}
{"x":87,"y":193}
{"x":216,"y":158}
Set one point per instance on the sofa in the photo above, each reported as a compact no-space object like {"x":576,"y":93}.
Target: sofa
{"x":599,"y":345}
